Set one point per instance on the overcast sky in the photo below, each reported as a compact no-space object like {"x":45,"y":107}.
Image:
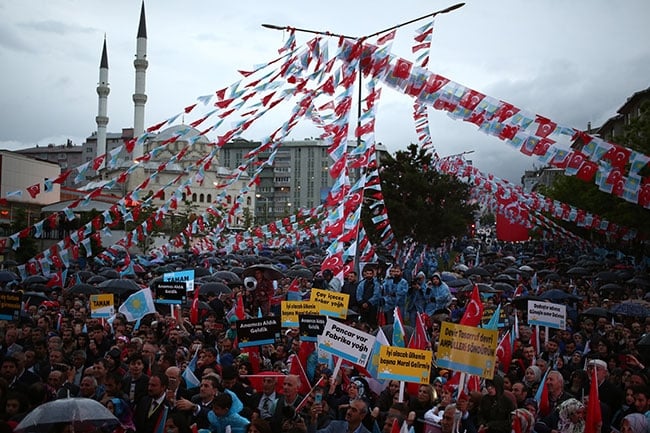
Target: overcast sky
{"x":572,"y":61}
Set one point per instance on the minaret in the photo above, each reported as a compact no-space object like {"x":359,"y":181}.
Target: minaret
{"x":102,"y":108}
{"x":139,"y":97}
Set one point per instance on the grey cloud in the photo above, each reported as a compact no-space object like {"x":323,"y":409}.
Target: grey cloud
{"x":56,"y":27}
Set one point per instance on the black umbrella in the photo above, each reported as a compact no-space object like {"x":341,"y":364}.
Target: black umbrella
{"x":35,"y":279}
{"x":227,"y":276}
{"x":96,"y":279}
{"x":300,"y":273}
{"x":596,"y":312}
{"x":216,"y":288}
{"x":578,"y":271}
{"x":119,"y":287}
{"x":477,"y":271}
{"x":505,"y":278}
{"x":558,"y":295}
{"x":34,"y":298}
{"x":521,"y":302}
{"x":201,"y":272}
{"x":482,"y":288}
{"x":512,"y":271}
{"x":83,"y":275}
{"x":461,"y":282}
{"x":504,"y":287}
{"x":83,"y":288}
{"x":238,"y":270}
{"x":285,"y":259}
{"x":6,"y":276}
{"x":10,"y":262}
{"x":608,"y":276}
{"x":609,"y":287}
{"x":634,"y":308}
{"x":639,"y":281}
{"x":270,"y":271}
{"x":552,"y":276}
{"x":110,"y":274}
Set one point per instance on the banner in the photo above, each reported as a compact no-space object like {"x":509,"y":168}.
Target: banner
{"x":468,"y":349}
{"x":311,"y":326}
{"x":330,"y":303}
{"x":346,"y":342}
{"x":488,"y":312}
{"x":258,"y":331}
{"x":102,"y":306}
{"x":291,"y":311}
{"x":10,"y":304}
{"x":547,"y":314}
{"x":407,"y":365}
{"x":170,"y":292}
{"x":186,"y":276}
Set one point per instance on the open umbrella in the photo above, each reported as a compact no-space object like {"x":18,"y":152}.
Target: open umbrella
{"x":216,"y":288}
{"x":300,"y":273}
{"x":270,"y":271}
{"x":119,"y":287}
{"x":608,"y":276}
{"x":9,"y":262}
{"x":635,"y":308}
{"x":578,"y":271}
{"x":482,"y":288}
{"x":34,"y":298}
{"x":610,"y":287}
{"x":96,"y":279}
{"x":6,"y":276}
{"x":639,"y":281}
{"x":521,"y":302}
{"x":85,"y":415}
{"x":477,"y":271}
{"x":596,"y":312}
{"x":460,"y":282}
{"x":83,"y":288}
{"x":35,"y":279}
{"x":558,"y":295}
{"x":201,"y":272}
{"x":110,"y":274}
{"x":227,"y":276}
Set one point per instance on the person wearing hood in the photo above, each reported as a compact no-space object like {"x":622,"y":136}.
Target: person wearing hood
{"x":225,"y":413}
{"x":495,"y":408}
{"x":532,"y":378}
{"x":438,"y":295}
{"x":395,"y":290}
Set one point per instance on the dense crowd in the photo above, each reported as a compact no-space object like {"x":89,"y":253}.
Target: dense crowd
{"x":138,"y":370}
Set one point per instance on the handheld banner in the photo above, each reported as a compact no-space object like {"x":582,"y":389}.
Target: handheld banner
{"x":468,"y":349}
{"x":292,"y":310}
{"x":258,"y":331}
{"x":311,"y":326}
{"x":170,"y":292}
{"x":488,"y":312}
{"x":185,"y":276}
{"x":330,"y":303}
{"x":547,"y":314}
{"x":346,"y":342}
{"x":102,"y":306}
{"x":407,"y":365}
{"x":10,"y":305}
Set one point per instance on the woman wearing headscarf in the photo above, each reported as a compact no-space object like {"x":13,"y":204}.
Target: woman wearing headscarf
{"x":495,"y":408}
{"x":635,"y":423}
{"x":532,"y":378}
{"x":523,"y":421}
{"x":572,"y":416}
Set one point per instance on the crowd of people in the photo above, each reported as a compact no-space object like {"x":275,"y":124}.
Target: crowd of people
{"x":139,"y":370}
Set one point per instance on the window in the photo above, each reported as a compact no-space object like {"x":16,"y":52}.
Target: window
{"x":201,"y":198}
{"x":194,"y":197}
{"x":209,"y":198}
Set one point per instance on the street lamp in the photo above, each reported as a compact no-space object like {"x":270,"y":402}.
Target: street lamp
{"x":266,"y":207}
{"x":323,"y":33}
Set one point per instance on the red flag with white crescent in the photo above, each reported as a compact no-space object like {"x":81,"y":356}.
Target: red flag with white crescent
{"x":474,"y":309}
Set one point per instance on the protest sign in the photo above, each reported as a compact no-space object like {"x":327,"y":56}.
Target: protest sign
{"x":178,"y":276}
{"x":346,"y":342}
{"x":468,"y":349}
{"x":258,"y":331}
{"x":408,"y":365}
{"x":291,"y":310}
{"x":330,"y":303}
{"x":311,"y":326}
{"x":10,"y":304}
{"x":547,"y":314}
{"x":488,"y":312}
{"x":170,"y":292}
{"x":102,"y":306}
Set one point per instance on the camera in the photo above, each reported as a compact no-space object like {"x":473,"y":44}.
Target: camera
{"x":250,"y":283}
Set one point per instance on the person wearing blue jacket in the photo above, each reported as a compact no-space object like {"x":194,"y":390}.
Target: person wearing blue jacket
{"x":438,"y":296}
{"x":368,"y":296}
{"x":225,"y":412}
{"x":395,"y":290}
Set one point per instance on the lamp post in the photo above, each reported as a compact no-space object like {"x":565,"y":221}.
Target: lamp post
{"x":338,"y":35}
{"x":266,"y":208}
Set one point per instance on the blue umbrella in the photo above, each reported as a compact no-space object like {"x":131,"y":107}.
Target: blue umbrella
{"x":635,"y":308}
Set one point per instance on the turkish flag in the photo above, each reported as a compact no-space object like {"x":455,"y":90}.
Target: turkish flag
{"x":474,"y":309}
{"x":504,"y":352}
{"x":34,"y":190}
{"x":402,"y":69}
{"x":594,"y":417}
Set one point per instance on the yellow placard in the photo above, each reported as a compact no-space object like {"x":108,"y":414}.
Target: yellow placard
{"x":290,"y":311}
{"x":468,"y":349}
{"x":330,"y":303}
{"x":408,"y":365}
{"x":102,"y":306}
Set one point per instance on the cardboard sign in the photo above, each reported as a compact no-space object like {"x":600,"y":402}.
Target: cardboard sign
{"x":170,"y":292}
{"x":259,"y":331}
{"x":10,"y":304}
{"x":468,"y":349}
{"x":102,"y":306}
{"x":408,"y":365}
{"x":330,"y":303}
{"x":181,"y":276}
{"x":547,"y":314}
{"x":291,"y":310}
{"x":488,"y":312}
{"x":346,"y":342}
{"x":311,"y":326}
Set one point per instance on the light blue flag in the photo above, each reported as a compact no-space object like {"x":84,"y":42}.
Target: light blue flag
{"x":188,"y":374}
{"x":398,"y":329}
{"x":138,"y":305}
{"x":494,"y":320}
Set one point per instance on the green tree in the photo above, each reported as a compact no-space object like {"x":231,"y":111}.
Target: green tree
{"x":422,"y":204}
{"x":587,"y":196}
